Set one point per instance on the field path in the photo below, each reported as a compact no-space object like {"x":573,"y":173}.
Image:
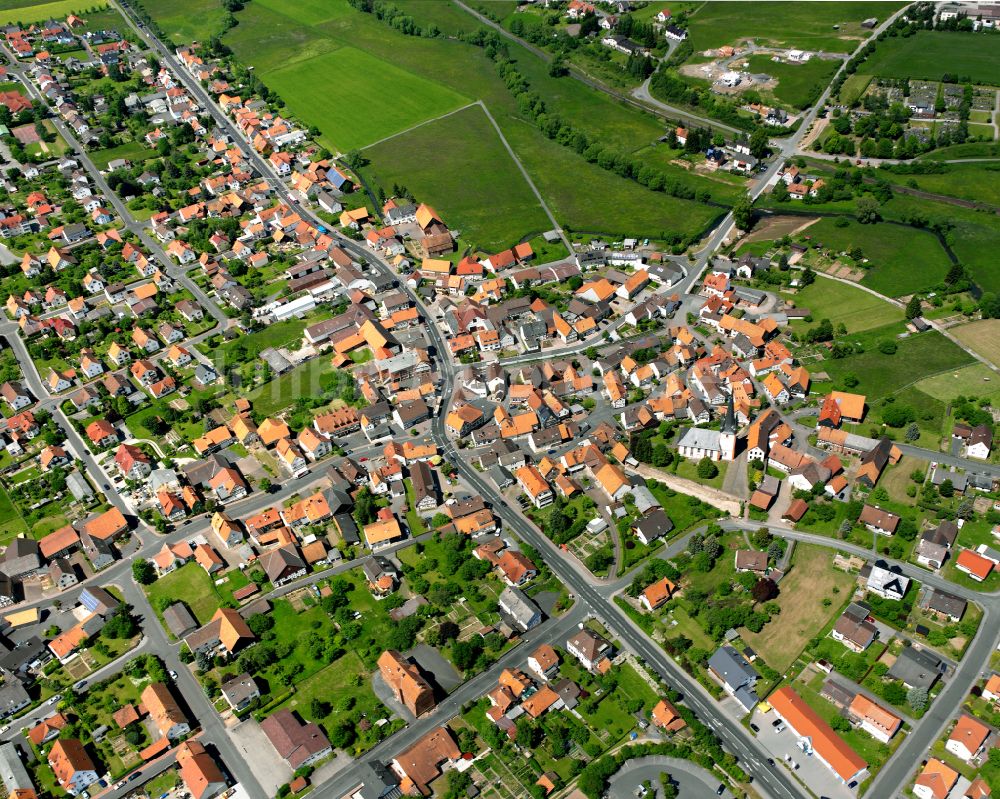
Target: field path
{"x":527,"y":177}
{"x":421,"y":124}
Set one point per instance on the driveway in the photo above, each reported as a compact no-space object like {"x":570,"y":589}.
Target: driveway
{"x":691,"y":780}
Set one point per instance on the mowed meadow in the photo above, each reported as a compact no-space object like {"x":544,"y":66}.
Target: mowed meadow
{"x":14,"y":11}
{"x":362,"y":83}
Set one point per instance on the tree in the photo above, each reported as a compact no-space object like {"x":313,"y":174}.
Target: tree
{"x":868,"y":210}
{"x":763,"y":590}
{"x":916,"y":697}
{"x":956,"y":272}
{"x":912,"y":432}
{"x":913,"y":309}
{"x":759,"y":145}
{"x":743,"y":213}
{"x":946,"y":489}
{"x":707,"y":469}
{"x":808,"y":276}
{"x":319,"y":708}
{"x":143,"y":572}
{"x":342,"y":734}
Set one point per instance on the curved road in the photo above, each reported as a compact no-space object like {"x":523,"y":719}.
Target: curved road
{"x":692,"y":781}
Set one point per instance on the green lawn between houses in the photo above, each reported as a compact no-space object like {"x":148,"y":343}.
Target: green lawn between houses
{"x":977,"y":182}
{"x":933,"y":54}
{"x":132,"y":151}
{"x":193,"y":586}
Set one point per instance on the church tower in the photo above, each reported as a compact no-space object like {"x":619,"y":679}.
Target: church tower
{"x":727,"y":436}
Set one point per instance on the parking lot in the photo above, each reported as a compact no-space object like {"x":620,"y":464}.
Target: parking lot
{"x":811,"y":771}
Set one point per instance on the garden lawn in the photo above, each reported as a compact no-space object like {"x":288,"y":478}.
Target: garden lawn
{"x":786,"y":635}
{"x":459,"y":166}
{"x":808,"y":26}
{"x":132,"y":151}
{"x":933,"y":54}
{"x":853,"y":88}
{"x":189,"y":584}
{"x":845,"y":304}
{"x":333,"y":684}
{"x":39,"y":12}
{"x":11,"y":523}
{"x":302,"y":381}
{"x":185,"y":21}
{"x":356,"y":99}
{"x":917,"y":357}
{"x":799,"y":84}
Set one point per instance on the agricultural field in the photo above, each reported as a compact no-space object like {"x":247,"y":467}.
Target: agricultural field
{"x":845,"y":304}
{"x":799,"y":85}
{"x":186,"y":21}
{"x":932,"y":54}
{"x":982,"y":337}
{"x":291,"y":55}
{"x":806,"y":26}
{"x":360,"y":85}
{"x":459,"y":165}
{"x":308,"y":12}
{"x":19,"y":11}
{"x":785,"y":636}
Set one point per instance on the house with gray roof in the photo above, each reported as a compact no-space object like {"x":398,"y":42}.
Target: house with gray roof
{"x":518,"y":610}
{"x":737,"y":676}
{"x":917,"y":668}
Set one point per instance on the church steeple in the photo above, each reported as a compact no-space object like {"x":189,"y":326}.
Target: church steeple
{"x":729,"y":425}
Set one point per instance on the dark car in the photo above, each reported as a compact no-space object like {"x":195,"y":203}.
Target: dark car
{"x":755,"y":728}
{"x":720,"y":790}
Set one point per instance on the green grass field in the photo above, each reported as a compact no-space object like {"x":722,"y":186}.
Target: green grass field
{"x":799,"y":85}
{"x":917,"y":357}
{"x":355,"y":106}
{"x":39,"y":12}
{"x":185,"y":21}
{"x":11,"y":523}
{"x":973,"y":236}
{"x":805,"y":25}
{"x":931,"y":54}
{"x":854,"y":87}
{"x":308,"y":12}
{"x":977,"y":182}
{"x":285,"y":51}
{"x":459,"y":165}
{"x":189,"y":584}
{"x":133,"y":151}
{"x":845,"y":304}
{"x":902,"y":260}
{"x":975,"y":380}
{"x":973,"y":150}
